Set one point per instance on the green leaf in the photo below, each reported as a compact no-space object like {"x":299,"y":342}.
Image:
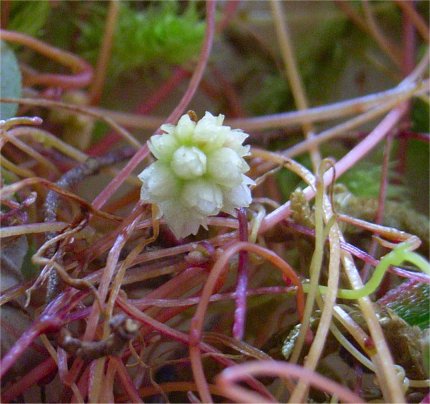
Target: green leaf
{"x":412,"y":305}
{"x":10,"y":81}
{"x":28,"y":17}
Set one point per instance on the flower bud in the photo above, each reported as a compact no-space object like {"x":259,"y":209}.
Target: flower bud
{"x":199,"y":172}
{"x":189,"y":162}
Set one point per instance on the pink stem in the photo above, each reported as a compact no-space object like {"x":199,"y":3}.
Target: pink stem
{"x":242,"y":280}
{"x":409,"y":46}
{"x":226,"y":380}
{"x":82,"y":385}
{"x":109,"y":270}
{"x":344,"y":164}
{"x":426,"y":399}
{"x":143,"y":152}
{"x":52,"y":319}
{"x":77,"y":80}
{"x":379,"y":219}
{"x":28,"y":380}
{"x":20,"y":347}
{"x":199,"y":316}
{"x":191,"y":301}
{"x":229,"y":11}
{"x":394,"y":294}
{"x":62,"y":364}
{"x":127,"y":383}
{"x":164,"y":329}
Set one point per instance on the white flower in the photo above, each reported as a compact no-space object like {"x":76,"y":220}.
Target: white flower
{"x":199,"y":172}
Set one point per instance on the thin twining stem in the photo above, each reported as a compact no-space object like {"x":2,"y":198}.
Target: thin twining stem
{"x":96,"y":88}
{"x":93,"y":112}
{"x":266,"y":122}
{"x":293,"y":75}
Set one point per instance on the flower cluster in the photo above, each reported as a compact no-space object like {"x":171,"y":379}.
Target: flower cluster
{"x":199,"y":172}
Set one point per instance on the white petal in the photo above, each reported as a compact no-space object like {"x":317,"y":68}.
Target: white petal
{"x":163,"y":146}
{"x":159,"y":183}
{"x":235,"y":140}
{"x":162,"y":183}
{"x":188,"y":162}
{"x":180,"y":219}
{"x":209,"y":134}
{"x":144,"y":176}
{"x":185,"y":128}
{"x":203,"y":196}
{"x":237,"y":197}
{"x":225,"y":167}
{"x":168,"y":128}
{"x":247,"y":181}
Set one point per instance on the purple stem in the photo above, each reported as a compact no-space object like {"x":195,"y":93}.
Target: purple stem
{"x":344,"y":164}
{"x":145,"y":302}
{"x":426,"y":399}
{"x":409,"y":51}
{"x":394,"y":294}
{"x":44,"y":325}
{"x":379,"y":219}
{"x":179,"y":336}
{"x":242,"y":279}
{"x":52,"y":319}
{"x":28,"y":380}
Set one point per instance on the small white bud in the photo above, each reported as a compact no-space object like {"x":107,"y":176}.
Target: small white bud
{"x":199,"y":172}
{"x":163,"y":146}
{"x":203,"y":196}
{"x":189,"y":162}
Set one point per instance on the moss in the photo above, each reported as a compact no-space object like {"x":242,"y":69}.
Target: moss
{"x":159,"y":34}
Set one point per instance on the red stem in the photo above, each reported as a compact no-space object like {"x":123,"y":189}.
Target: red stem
{"x":126,"y":381}
{"x":163,"y":329}
{"x":82,"y":385}
{"x":46,"y":324}
{"x":30,"y":379}
{"x":229,"y":12}
{"x":409,"y":47}
{"x":80,"y":79}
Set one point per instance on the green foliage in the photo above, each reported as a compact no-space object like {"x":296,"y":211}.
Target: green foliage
{"x":364,"y":180}
{"x":28,"y":269}
{"x":10,"y":81}
{"x":321,"y":62}
{"x":29,"y":17}
{"x":412,"y":305}
{"x":420,"y":116}
{"x":417,"y":158}
{"x":157,"y":35}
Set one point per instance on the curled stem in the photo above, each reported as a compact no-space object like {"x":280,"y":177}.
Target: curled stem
{"x":84,"y":71}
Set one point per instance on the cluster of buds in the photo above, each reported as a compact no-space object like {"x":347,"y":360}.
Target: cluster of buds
{"x":199,"y":172}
